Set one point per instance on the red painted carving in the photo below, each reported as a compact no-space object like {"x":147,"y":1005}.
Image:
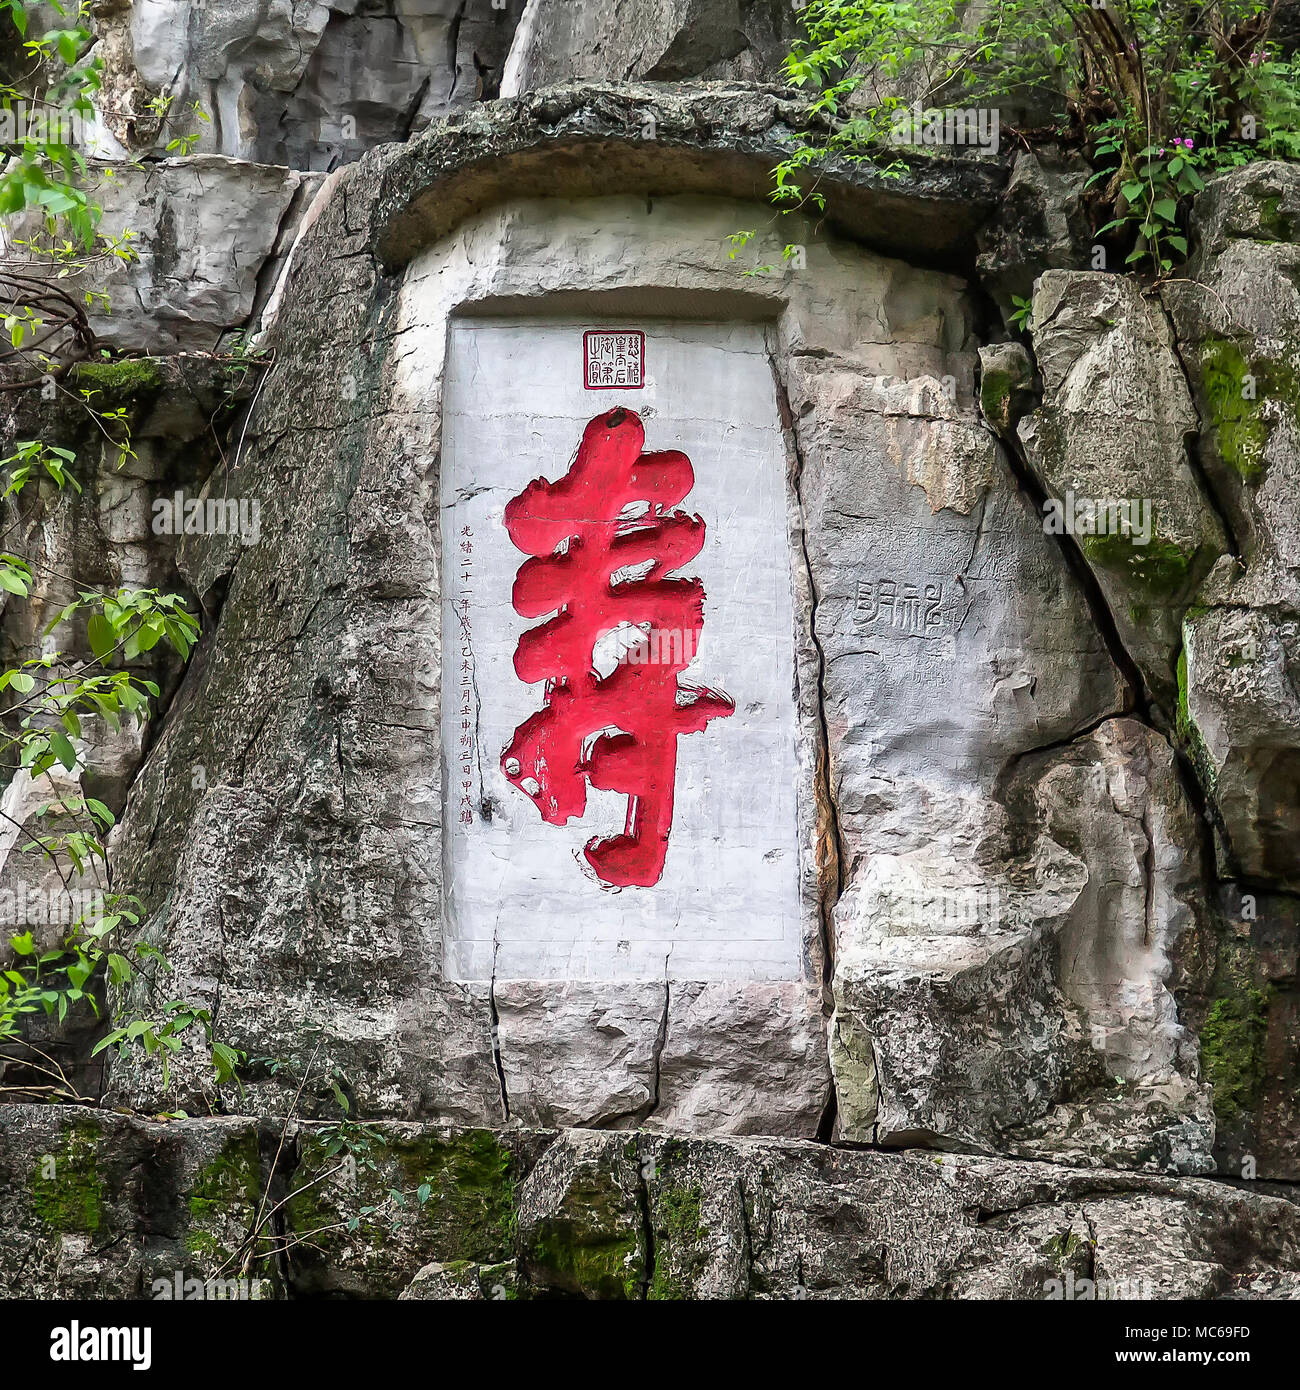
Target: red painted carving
{"x":604,"y":536}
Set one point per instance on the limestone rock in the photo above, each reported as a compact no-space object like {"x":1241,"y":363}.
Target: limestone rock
{"x":660,"y":40}
{"x":575,"y":1053}
{"x":1241,"y":714}
{"x":308,"y":85}
{"x":1135,"y":949}
{"x":1007,"y":382}
{"x":1109,"y":444}
{"x":1005,"y":939}
{"x":581,"y":1231}
{"x":81,"y":1184}
{"x":203,"y":231}
{"x":1236,"y":317}
{"x":417,"y":1211}
{"x":1249,"y":1029}
{"x":726,"y":1044}
{"x":602,"y":1215}
{"x":1040,"y":225}
{"x":332,"y":620}
{"x":463,"y":1282}
{"x":659,"y":140}
{"x":1029,"y":1002}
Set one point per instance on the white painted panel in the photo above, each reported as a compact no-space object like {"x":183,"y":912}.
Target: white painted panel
{"x":518,"y":889}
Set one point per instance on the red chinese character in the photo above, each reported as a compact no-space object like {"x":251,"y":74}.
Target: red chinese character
{"x":618,"y":732}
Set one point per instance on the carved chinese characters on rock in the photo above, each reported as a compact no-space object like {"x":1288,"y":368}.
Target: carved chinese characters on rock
{"x":908,"y":608}
{"x":604,"y":539}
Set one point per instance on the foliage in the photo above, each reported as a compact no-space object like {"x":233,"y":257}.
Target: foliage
{"x":1157,"y":93}
{"x":344,"y":1150}
{"x":55,"y":696}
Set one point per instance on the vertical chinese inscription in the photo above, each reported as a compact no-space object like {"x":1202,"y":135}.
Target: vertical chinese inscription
{"x":465,"y":691}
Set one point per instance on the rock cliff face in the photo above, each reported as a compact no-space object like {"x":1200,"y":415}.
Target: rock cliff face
{"x":995,"y":860}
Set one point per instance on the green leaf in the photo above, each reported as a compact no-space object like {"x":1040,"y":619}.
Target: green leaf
{"x":224,"y":1060}
{"x":63,"y":749}
{"x":99,"y":633}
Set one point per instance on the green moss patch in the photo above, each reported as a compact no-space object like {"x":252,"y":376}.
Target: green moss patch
{"x":227,"y":1190}
{"x":1232,"y":1050}
{"x":472,"y":1201}
{"x":66,"y":1186}
{"x":680,"y":1238}
{"x":129,"y":377}
{"x":1160,"y":566}
{"x":1273,"y":221}
{"x":1185,"y":725}
{"x":591,"y":1247}
{"x":1240,"y":428}
{"x":457,"y":1197}
{"x":996,"y":388}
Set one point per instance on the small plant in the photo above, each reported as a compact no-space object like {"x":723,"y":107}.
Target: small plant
{"x":1158,"y":94}
{"x":53,"y":697}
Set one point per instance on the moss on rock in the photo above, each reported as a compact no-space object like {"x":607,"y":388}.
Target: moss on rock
{"x":679,"y":1242}
{"x":124,"y":379}
{"x":472,"y":1197}
{"x":1232,"y":1049}
{"x":591,"y":1246}
{"x":1236,"y":392}
{"x":67,"y":1188}
{"x":1160,"y":567}
{"x":226,"y":1190}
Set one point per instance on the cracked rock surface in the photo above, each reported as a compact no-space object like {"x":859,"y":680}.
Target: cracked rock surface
{"x":1047,"y":1000}
{"x":598,"y":1215}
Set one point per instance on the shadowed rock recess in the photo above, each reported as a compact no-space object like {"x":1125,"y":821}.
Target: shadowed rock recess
{"x":974,"y":968}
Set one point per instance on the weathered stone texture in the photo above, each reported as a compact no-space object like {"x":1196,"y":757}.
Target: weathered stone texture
{"x":202,"y":231}
{"x":660,"y":40}
{"x":1048,"y":814}
{"x":309,"y":85}
{"x":104,"y":1206}
{"x":1114,"y":425}
{"x":1237,"y":318}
